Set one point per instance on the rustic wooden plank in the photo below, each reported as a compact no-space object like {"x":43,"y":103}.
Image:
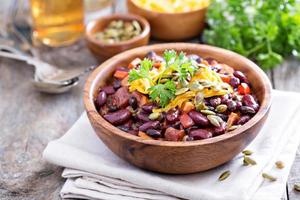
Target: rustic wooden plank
{"x":287,"y":77}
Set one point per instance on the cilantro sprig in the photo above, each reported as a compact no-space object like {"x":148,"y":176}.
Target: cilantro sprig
{"x":142,"y":71}
{"x":163,"y":93}
{"x":263,"y":30}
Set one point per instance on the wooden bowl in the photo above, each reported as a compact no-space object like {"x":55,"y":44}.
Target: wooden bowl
{"x":178,"y":157}
{"x":171,"y":26}
{"x":102,"y":50}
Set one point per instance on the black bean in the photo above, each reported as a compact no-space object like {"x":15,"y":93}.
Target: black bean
{"x":223,"y":116}
{"x":198,"y":118}
{"x":108,"y":89}
{"x":153,"y":133}
{"x":172,"y":115}
{"x":231,"y":105}
{"x":199,"y":134}
{"x":133,"y":102}
{"x":234,"y":82}
{"x":176,"y":125}
{"x":195,"y":57}
{"x":248,"y":100}
{"x":118,"y":117}
{"x":215,"y":101}
{"x":123,"y":128}
{"x":151,"y":55}
{"x":112,"y":103}
{"x":116,"y":84}
{"x":243,"y":119}
{"x":247,"y":110}
{"x":240,"y":75}
{"x":143,"y":116}
{"x":101,"y":99}
{"x":148,"y":107}
{"x":150,"y":125}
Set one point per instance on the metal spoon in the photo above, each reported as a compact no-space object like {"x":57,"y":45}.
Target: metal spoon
{"x":47,"y":78}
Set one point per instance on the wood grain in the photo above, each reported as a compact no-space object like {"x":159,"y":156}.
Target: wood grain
{"x":178,"y":157}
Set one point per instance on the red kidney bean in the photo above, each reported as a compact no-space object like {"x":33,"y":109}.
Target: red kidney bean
{"x":198,"y":118}
{"x":116,"y":84}
{"x":148,"y":107}
{"x":101,"y":99}
{"x":172,"y":115}
{"x":215,"y":101}
{"x":133,"y":132}
{"x":112,"y":103}
{"x":219,"y":130}
{"x":118,"y":117}
{"x":247,"y":110}
{"x":238,"y":104}
{"x":231,"y":105}
{"x":133,"y":102}
{"x":143,"y":116}
{"x":240,"y":75}
{"x":225,"y":98}
{"x":150,"y":125}
{"x":248,"y":100}
{"x":153,"y":133}
{"x":234,"y":82}
{"x":122,"y":95}
{"x":125,"y":69}
{"x":243,"y":119}
{"x":195,"y":57}
{"x":108,"y":89}
{"x":199,"y":134}
{"x":173,"y":134}
{"x":151,"y":55}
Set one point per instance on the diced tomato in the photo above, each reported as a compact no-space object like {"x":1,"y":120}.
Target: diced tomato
{"x":134,"y":63}
{"x":144,"y":136}
{"x":225,"y":78}
{"x":232,"y":118}
{"x":244,"y":88}
{"x":173,"y":134}
{"x":157,"y":65}
{"x":187,"y":107}
{"x":186,"y":121}
{"x":120,"y":74}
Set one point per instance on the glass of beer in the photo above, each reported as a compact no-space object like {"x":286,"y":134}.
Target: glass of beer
{"x":57,"y":22}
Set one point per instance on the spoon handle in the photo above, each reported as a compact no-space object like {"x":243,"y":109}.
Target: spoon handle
{"x":24,"y":58}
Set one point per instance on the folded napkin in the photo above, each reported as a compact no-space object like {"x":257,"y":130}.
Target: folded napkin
{"x":94,"y":172}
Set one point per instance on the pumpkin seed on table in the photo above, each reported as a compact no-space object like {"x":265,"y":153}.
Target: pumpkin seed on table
{"x":224,"y":175}
{"x":279,"y":164}
{"x":247,"y":152}
{"x":249,"y":161}
{"x":297,"y":187}
{"x":269,"y":177}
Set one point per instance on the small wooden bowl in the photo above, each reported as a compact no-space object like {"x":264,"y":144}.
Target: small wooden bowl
{"x":171,"y":26}
{"x":102,"y":50}
{"x":178,"y":157}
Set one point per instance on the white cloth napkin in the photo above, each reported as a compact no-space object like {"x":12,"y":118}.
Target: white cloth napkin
{"x":94,"y":172}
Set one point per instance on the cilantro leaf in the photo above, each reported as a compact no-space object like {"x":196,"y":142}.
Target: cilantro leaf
{"x":169,"y":56}
{"x":142,"y":71}
{"x":163,"y":93}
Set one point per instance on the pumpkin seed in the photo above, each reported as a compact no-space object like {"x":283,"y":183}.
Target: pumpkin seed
{"x":249,"y":160}
{"x":208,"y":112}
{"x":181,"y":91}
{"x":297,"y":187}
{"x":224,"y":175}
{"x":221,"y":108}
{"x":214,"y":120}
{"x":247,"y":152}
{"x":154,"y":116}
{"x":269,"y":177}
{"x":233,"y":127}
{"x":195,"y":86}
{"x":279,"y":164}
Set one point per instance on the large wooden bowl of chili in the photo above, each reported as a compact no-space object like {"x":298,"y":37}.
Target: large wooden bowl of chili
{"x":178,"y":157}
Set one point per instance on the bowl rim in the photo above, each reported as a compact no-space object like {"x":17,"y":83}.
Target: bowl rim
{"x":143,"y":22}
{"x":167,"y":13}
{"x":90,"y":106}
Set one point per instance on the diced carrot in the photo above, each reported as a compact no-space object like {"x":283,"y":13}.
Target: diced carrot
{"x":125,"y":82}
{"x":144,"y":136}
{"x":244,"y":88}
{"x":187,"y":107}
{"x":157,"y":65}
{"x":226,"y":69}
{"x":172,"y":134}
{"x":232,"y":118}
{"x":225,"y":78}
{"x":143,"y":100}
{"x":120,"y":74}
{"x":134,"y":63}
{"x":186,"y":121}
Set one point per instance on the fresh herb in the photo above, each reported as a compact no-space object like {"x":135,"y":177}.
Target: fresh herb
{"x":263,"y":30}
{"x":163,"y":93}
{"x":142,"y":71}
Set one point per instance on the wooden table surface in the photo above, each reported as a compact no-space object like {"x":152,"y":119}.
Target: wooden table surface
{"x":29,"y":120}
